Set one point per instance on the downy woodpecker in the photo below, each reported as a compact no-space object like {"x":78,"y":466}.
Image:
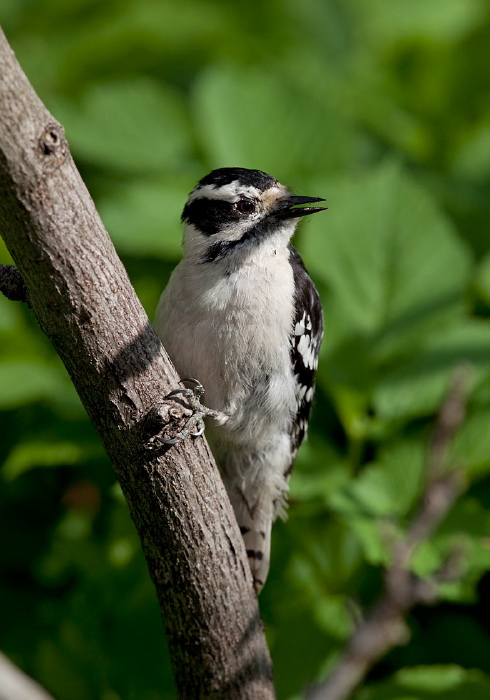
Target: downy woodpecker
{"x":241,"y":314}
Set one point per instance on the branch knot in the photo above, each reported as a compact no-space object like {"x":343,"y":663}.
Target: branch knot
{"x":53,"y":145}
{"x":11,"y":283}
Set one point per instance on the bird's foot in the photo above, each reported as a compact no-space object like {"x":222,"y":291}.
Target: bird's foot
{"x":190,"y":400}
{"x":192,"y":396}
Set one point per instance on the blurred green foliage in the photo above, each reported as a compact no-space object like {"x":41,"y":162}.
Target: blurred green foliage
{"x":382,"y":107}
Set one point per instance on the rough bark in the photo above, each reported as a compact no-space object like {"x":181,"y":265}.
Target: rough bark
{"x":84,"y":302}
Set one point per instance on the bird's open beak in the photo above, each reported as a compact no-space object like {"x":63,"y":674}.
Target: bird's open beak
{"x":287,"y":208}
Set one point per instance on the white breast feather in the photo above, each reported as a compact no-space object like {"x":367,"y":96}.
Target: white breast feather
{"x":231,"y":332}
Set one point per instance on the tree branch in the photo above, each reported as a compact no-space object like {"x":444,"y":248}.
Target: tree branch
{"x":385,"y":628}
{"x":85,"y":304}
{"x":16,"y":685}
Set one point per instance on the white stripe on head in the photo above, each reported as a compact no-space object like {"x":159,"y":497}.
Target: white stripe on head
{"x":231,"y":192}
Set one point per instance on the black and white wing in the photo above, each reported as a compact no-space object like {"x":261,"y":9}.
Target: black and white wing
{"x":306,"y":338}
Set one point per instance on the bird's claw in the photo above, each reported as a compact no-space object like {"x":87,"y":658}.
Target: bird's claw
{"x":192,"y":397}
{"x":168,"y":441}
{"x":200,"y":431}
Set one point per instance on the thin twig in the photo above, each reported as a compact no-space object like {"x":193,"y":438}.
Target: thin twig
{"x":451,"y":415}
{"x":385,"y":628}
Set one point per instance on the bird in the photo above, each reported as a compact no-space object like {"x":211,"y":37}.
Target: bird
{"x":241,"y":315}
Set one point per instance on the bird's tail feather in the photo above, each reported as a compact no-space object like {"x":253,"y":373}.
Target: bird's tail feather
{"x":255,"y":524}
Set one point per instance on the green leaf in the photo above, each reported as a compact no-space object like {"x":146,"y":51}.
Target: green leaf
{"x":385,"y":260}
{"x":137,"y":125}
{"x":9,"y":12}
{"x":9,"y":315}
{"x":372,"y":537}
{"x":333,"y":616}
{"x":438,"y":20}
{"x":432,"y":678}
{"x":465,"y":530}
{"x":426,"y":682}
{"x":23,"y":382}
{"x":257,"y":119}
{"x":383,"y":271}
{"x":417,"y":387}
{"x":470,"y":448}
{"x":143,"y":218}
{"x":482,"y":279}
{"x":324,"y":554}
{"x":318,"y":470}
{"x":369,"y":495}
{"x":471,"y":159}
{"x":31,"y":454}
{"x":387,"y":488}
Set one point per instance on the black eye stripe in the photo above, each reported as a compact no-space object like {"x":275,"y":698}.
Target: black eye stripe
{"x":210,"y":215}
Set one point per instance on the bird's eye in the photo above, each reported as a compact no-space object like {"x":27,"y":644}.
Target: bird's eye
{"x":245,"y":206}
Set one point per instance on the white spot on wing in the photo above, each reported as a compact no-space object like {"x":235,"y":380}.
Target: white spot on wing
{"x":301,"y":393}
{"x":307,"y":351}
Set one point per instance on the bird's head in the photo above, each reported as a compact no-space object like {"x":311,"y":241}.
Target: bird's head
{"x":232,"y":211}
